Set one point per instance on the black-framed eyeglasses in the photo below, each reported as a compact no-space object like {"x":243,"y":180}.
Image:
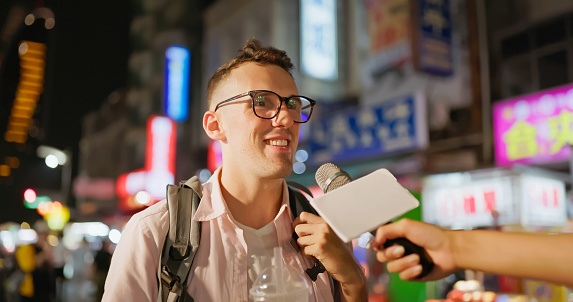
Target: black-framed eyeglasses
{"x":267,"y":104}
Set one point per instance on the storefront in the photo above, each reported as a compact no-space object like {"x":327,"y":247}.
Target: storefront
{"x":527,"y":192}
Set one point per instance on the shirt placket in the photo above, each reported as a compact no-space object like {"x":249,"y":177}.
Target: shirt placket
{"x":284,"y":233}
{"x":240,"y":291}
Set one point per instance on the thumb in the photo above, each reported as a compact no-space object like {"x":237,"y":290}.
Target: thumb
{"x":390,"y":231}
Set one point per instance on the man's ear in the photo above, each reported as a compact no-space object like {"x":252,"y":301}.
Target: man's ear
{"x":212,"y":126}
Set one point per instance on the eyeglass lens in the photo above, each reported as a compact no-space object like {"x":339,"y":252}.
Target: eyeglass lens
{"x":266,"y":105}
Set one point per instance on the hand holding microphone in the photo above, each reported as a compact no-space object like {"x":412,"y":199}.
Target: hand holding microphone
{"x":431,"y":239}
{"x":364,"y":204}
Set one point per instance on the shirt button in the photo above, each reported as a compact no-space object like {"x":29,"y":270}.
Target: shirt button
{"x":240,"y":256}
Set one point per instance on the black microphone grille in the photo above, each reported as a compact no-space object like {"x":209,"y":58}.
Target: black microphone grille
{"x":330,"y":177}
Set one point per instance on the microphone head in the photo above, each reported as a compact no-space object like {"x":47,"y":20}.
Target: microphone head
{"x":330,"y":177}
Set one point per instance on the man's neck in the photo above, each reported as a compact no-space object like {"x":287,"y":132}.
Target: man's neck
{"x":253,"y":202}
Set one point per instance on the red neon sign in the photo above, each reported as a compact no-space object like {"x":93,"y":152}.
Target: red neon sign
{"x":214,"y":156}
{"x":159,"y":167}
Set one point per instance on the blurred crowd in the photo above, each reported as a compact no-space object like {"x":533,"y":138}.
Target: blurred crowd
{"x":43,"y":265}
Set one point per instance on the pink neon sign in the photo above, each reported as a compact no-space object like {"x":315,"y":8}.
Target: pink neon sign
{"x":159,"y":167}
{"x":535,"y":128}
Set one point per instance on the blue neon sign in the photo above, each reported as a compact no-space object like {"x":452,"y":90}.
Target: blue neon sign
{"x":177,"y":61}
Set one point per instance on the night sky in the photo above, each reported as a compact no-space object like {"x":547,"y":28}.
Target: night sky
{"x":87,"y":60}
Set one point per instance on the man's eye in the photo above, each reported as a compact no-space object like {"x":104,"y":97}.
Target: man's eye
{"x":293,"y":104}
{"x":260,"y":101}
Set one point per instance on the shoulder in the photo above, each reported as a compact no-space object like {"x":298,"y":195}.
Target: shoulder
{"x":152,"y":222}
{"x":153,"y":212}
{"x":137,"y":256}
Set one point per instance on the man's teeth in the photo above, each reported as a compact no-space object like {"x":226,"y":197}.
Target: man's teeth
{"x":280,"y":142}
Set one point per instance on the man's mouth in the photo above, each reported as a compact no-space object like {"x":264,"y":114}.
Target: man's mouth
{"x":277,"y":142}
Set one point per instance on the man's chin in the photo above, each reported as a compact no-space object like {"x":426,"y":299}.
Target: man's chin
{"x":281,"y":170}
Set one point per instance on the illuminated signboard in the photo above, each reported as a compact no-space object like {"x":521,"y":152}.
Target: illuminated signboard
{"x":495,"y":198}
{"x":319,"y":50}
{"x":454,"y":200}
{"x":544,"y":202}
{"x":177,"y":61}
{"x":535,"y":128}
{"x":433,"y":37}
{"x":159,"y":170}
{"x":214,"y":156}
{"x":391,"y":126}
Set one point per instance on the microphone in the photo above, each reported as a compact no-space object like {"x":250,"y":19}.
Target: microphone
{"x":329,"y":177}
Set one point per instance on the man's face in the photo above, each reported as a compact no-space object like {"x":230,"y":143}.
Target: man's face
{"x":262,"y":148}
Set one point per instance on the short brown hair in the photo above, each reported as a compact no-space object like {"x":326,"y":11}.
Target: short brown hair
{"x":252,"y":51}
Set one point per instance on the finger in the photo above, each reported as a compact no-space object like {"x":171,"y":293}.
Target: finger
{"x":296,"y":221}
{"x":411,"y":272}
{"x":403,"y":263}
{"x":306,"y":217}
{"x":391,"y":253}
{"x":305,"y":229}
{"x":307,"y":252}
{"x":314,"y":239}
{"x":390,"y":231}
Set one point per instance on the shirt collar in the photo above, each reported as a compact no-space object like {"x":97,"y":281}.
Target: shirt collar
{"x":212,"y":204}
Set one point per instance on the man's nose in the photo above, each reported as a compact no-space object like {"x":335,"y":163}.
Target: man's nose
{"x":283,"y":118}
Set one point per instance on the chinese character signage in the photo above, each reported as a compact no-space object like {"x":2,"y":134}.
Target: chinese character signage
{"x":456,"y":201}
{"x":432,"y":37}
{"x":543,"y":201}
{"x":493,"y":197}
{"x":534,"y":129}
{"x":395,"y":125}
{"x":319,"y":46}
{"x":385,"y":25}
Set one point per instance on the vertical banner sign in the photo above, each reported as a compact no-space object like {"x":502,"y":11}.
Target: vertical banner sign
{"x":319,"y":46}
{"x":535,"y":128}
{"x":388,"y":26}
{"x":177,"y":61}
{"x":159,"y":170}
{"x":432,"y":37}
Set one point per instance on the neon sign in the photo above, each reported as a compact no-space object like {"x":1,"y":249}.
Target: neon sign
{"x":534,"y":129}
{"x":177,"y":61}
{"x":159,"y":167}
{"x":30,"y":88}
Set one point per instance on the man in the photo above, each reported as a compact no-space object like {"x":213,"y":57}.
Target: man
{"x":255,"y":112}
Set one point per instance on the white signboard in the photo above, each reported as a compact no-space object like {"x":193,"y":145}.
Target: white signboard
{"x":477,"y":203}
{"x":543,"y":201}
{"x":319,"y":49}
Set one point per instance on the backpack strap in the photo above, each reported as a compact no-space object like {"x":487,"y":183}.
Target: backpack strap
{"x":298,"y":204}
{"x":182,"y":240}
{"x":301,"y":188}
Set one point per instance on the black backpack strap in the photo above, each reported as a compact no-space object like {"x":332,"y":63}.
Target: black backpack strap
{"x":182,"y":240}
{"x":296,"y":185}
{"x":298,"y":204}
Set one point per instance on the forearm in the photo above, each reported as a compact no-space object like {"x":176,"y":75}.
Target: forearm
{"x":355,"y":290}
{"x":535,"y":256}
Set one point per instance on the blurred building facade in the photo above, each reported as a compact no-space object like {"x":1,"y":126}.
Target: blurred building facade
{"x":447,"y":60}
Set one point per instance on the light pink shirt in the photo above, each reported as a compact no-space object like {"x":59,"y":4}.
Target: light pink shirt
{"x":219,"y":271}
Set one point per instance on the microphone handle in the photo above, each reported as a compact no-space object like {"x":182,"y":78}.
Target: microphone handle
{"x":411,"y":248}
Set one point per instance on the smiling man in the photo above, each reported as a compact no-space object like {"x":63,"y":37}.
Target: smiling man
{"x":255,"y":111}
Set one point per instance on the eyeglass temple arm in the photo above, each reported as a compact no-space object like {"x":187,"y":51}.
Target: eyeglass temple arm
{"x":232,"y":99}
